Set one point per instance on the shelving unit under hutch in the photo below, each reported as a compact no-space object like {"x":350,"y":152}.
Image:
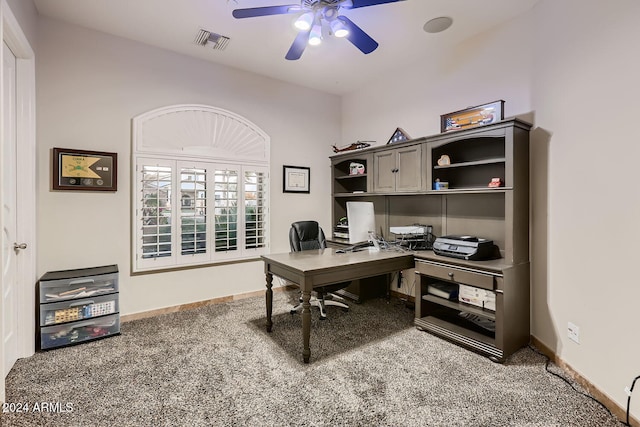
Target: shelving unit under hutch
{"x":469,"y":206}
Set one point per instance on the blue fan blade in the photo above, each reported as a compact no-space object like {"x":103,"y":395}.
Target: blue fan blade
{"x":265,"y":11}
{"x":365,"y":3}
{"x":359,"y":38}
{"x":298,"y":45}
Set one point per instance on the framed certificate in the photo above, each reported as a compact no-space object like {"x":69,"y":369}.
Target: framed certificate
{"x":84,"y":170}
{"x":295,"y":179}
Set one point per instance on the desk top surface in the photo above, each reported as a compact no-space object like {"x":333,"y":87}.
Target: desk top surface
{"x":323,"y":259}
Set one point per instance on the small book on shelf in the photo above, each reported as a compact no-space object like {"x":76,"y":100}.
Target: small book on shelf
{"x":443,"y":290}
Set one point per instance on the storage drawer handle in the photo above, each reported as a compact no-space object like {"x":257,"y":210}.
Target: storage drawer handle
{"x":450,"y":275}
{"x":82,"y":303}
{"x":80,"y":281}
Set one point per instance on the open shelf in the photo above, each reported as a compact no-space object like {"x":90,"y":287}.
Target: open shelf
{"x":350,"y":175}
{"x":473,"y":163}
{"x":364,"y":175}
{"x":460,"y":306}
{"x":468,"y":190}
{"x":354,"y":194}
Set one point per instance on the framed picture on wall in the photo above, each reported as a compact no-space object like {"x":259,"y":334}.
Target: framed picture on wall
{"x":84,"y":170}
{"x":295,"y":179}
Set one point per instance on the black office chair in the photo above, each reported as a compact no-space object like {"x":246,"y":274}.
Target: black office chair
{"x":306,"y":235}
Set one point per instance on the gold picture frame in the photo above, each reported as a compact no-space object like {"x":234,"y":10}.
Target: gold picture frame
{"x":84,"y":170}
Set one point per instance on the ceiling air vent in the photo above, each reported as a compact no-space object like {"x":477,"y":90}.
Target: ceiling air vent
{"x":217,"y":41}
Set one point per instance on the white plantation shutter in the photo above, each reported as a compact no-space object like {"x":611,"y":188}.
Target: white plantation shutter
{"x":226,"y":210}
{"x":154,"y":213}
{"x":255,"y":192}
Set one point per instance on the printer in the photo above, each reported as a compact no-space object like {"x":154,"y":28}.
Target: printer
{"x":465,"y":247}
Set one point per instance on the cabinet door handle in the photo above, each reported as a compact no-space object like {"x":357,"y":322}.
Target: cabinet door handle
{"x":450,"y":275}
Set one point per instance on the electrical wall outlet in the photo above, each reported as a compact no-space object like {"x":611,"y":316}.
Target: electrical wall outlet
{"x":573,"y":332}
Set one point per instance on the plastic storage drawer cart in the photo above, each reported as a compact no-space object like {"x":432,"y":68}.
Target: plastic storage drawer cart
{"x":77,"y":306}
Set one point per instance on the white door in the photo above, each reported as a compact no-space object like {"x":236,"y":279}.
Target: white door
{"x":10,"y":248}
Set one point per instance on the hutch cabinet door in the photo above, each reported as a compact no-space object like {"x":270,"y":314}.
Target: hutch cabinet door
{"x":384,"y":166}
{"x":409,"y":169}
{"x":398,"y":170}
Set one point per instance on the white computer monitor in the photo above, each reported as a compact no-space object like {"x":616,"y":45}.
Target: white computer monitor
{"x":362,"y":220}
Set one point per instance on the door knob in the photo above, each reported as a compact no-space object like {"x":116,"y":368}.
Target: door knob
{"x":17,"y":246}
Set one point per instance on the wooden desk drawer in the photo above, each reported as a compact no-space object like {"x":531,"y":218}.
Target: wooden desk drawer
{"x":457,"y":275}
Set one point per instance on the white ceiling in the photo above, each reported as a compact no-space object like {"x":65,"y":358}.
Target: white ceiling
{"x":260,"y":44}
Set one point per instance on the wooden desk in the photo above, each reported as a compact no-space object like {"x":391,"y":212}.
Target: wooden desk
{"x":314,"y":268}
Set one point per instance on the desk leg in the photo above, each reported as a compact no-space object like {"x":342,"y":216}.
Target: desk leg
{"x":269,"y":300}
{"x":306,"y":325}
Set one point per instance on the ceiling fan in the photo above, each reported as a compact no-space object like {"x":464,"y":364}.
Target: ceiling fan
{"x":316,"y":17}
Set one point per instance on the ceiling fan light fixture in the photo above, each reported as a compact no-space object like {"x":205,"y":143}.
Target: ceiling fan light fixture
{"x":348,"y":4}
{"x":315,"y":36}
{"x":339,"y":29}
{"x":304,"y":21}
{"x":314,"y":17}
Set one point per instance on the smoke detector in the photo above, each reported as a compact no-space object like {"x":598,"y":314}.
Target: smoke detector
{"x":217,"y":41}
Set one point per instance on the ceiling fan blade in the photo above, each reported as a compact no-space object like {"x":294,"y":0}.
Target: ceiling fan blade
{"x":298,"y":45}
{"x":359,"y":38}
{"x":252,"y":12}
{"x":365,"y":3}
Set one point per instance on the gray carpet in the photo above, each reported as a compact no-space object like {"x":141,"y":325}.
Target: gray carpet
{"x":217,"y":366}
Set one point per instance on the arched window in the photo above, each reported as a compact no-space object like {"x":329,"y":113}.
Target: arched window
{"x":201,"y":187}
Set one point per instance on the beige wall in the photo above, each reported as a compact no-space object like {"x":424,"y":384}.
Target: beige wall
{"x":89,"y":87}
{"x":585,"y":96}
{"x":568,"y":66}
{"x":494,"y":65}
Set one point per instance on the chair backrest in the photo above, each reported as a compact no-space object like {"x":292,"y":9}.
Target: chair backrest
{"x":306,"y":235}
